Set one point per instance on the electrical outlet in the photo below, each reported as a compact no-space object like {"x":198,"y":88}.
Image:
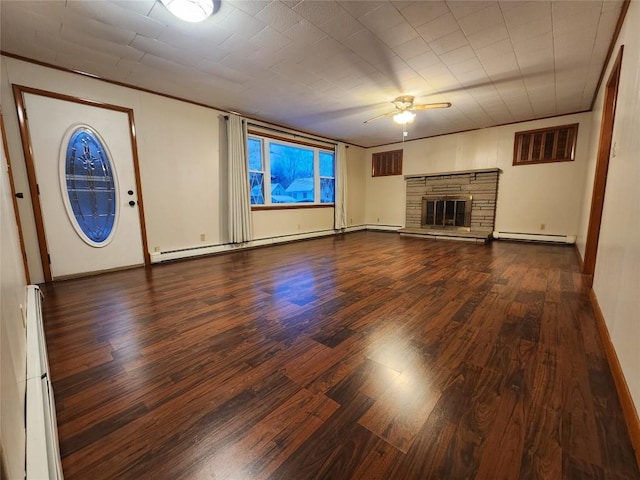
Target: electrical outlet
{"x":378,"y":220}
{"x":202,"y":237}
{"x":542,"y":226}
{"x":156,"y":249}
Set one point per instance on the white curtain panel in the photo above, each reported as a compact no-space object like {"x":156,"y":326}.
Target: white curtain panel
{"x":340,"y":212}
{"x":239,"y":203}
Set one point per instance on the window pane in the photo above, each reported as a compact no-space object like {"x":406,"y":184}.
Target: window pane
{"x":90,"y":185}
{"x":327,"y":167}
{"x":255,"y":154}
{"x":291,"y":174}
{"x":327,"y":190}
{"x":256,"y":185}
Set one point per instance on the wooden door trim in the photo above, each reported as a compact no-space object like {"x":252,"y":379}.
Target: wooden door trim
{"x":33,"y":185}
{"x":602,"y":167}
{"x":14,"y":198}
{"x":19,"y":92}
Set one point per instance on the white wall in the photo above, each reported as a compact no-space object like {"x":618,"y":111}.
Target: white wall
{"x":528,"y":195}
{"x":181,"y":149}
{"x":616,"y":280}
{"x":12,"y":334}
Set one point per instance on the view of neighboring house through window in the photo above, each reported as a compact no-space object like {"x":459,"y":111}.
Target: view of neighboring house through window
{"x":281,"y":172}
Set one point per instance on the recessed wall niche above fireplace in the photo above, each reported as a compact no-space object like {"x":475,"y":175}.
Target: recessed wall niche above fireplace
{"x":460,"y":205}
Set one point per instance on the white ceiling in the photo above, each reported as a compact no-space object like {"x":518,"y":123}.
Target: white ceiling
{"x":327,"y":66}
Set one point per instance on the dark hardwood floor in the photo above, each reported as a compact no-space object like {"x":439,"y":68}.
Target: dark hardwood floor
{"x":364,"y":356}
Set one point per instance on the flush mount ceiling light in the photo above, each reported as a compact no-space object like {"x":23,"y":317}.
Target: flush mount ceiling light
{"x":404,"y":117}
{"x":190,"y":10}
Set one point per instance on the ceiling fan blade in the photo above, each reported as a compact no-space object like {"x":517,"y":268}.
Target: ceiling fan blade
{"x":429,"y":106}
{"x":388,"y":114}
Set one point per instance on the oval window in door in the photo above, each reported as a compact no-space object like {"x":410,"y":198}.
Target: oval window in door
{"x":88,"y":178}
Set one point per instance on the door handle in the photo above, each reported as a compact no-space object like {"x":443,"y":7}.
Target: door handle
{"x":132,"y":203}
{"x":19,"y":195}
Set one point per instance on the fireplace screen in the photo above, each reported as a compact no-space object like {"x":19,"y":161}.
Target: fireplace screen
{"x":446,"y":211}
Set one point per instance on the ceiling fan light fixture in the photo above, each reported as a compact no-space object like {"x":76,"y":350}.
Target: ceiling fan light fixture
{"x":404,"y":117}
{"x":190,"y":10}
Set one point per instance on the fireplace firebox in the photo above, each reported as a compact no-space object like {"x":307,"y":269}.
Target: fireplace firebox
{"x":446,"y":211}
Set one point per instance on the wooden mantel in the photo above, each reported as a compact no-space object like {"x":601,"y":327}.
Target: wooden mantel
{"x":458,"y":172}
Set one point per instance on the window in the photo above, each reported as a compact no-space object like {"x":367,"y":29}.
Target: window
{"x":386,"y":163}
{"x":88,"y":177}
{"x":283,"y":172}
{"x":544,"y":145}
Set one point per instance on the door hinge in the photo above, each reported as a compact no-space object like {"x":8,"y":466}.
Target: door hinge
{"x":49,"y":258}
{"x":38,"y":188}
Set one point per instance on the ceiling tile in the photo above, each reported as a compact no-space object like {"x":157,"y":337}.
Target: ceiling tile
{"x":469,"y":65}
{"x":449,"y":42}
{"x":278,"y":16}
{"x":524,"y":12}
{"x":495,"y":49}
{"x":384,"y":17}
{"x":119,"y":50}
{"x":487,"y":37}
{"x":458,"y":55}
{"x":319,"y":12}
{"x":162,"y":50}
{"x":342,"y":27}
{"x":117,"y":15}
{"x":412,"y":48}
{"x":360,"y":7}
{"x":195,"y":45}
{"x":243,"y":25}
{"x":270,"y":39}
{"x":251,"y":7}
{"x":419,"y":13}
{"x":438,"y":28}
{"x":305,"y":33}
{"x":488,"y":17}
{"x":399,"y":35}
{"x":463,"y":8}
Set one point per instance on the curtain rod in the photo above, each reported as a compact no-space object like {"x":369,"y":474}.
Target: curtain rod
{"x":295,"y":135}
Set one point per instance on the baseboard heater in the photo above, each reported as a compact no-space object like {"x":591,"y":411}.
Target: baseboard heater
{"x":42,"y":449}
{"x":535,"y":237}
{"x":157,"y":257}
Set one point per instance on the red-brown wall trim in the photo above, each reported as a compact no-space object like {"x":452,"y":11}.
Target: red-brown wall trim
{"x":626,"y":400}
{"x":616,"y":33}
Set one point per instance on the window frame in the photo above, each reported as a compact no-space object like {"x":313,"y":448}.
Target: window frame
{"x":265,"y":139}
{"x":386,"y":164}
{"x":529,"y":135}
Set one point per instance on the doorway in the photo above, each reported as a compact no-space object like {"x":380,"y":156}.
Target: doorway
{"x":82,"y":164}
{"x":602,"y":168}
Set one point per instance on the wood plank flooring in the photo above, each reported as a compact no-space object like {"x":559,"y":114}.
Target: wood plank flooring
{"x":362,"y":356}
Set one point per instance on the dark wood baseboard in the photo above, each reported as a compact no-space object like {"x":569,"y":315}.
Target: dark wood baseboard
{"x":626,"y":401}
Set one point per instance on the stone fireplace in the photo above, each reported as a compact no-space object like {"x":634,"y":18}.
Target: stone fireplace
{"x":458,"y":205}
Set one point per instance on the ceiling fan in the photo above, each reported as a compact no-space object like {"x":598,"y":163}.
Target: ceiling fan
{"x":405,"y":107}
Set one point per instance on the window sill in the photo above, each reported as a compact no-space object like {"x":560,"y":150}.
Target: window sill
{"x":284,"y":206}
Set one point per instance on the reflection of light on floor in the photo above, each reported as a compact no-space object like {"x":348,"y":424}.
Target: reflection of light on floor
{"x":227,"y":463}
{"x":398,"y":354}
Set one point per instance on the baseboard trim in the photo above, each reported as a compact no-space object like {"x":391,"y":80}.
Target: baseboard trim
{"x":626,"y":400}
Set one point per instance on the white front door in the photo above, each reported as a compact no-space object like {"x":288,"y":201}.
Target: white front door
{"x":88,"y":194}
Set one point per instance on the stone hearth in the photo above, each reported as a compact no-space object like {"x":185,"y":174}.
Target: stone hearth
{"x":481,"y":185}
